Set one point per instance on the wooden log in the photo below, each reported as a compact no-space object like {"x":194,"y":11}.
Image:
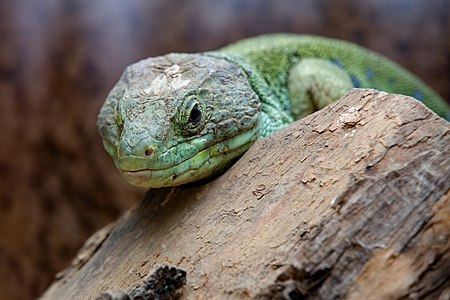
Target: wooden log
{"x":351,"y":202}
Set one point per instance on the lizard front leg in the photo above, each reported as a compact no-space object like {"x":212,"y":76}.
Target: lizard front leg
{"x":314,"y":83}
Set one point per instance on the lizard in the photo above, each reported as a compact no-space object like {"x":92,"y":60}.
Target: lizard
{"x":184,"y":117}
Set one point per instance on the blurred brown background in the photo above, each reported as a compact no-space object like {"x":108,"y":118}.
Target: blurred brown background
{"x":58,"y":60}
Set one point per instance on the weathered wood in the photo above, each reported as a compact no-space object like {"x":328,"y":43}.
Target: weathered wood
{"x":351,"y":202}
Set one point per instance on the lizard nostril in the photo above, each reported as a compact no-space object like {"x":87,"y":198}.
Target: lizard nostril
{"x":149,"y":151}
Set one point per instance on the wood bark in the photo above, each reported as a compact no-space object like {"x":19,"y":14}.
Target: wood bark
{"x":350,"y":202}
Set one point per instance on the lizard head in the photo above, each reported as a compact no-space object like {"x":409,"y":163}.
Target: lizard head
{"x":178,"y":118}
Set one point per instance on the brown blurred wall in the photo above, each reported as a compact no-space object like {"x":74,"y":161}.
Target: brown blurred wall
{"x":58,"y":60}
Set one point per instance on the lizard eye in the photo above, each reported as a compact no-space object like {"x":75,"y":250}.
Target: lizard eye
{"x":193,"y":111}
{"x":195,"y":115}
{"x":191,"y":115}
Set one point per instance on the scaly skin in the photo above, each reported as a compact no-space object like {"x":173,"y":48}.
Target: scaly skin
{"x":179,"y":118}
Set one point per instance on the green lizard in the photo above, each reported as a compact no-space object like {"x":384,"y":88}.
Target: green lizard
{"x":179,"y":118}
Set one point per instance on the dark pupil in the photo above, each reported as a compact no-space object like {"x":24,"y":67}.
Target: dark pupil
{"x":195,"y":114}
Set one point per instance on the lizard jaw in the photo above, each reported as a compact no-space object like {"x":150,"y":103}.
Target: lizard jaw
{"x":203,"y":164}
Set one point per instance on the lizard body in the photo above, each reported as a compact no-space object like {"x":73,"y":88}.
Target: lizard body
{"x":179,"y":118}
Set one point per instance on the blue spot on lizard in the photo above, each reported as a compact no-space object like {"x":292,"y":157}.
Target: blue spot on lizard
{"x":369,"y":73}
{"x":355,"y":81}
{"x":418,"y":95}
{"x":337,"y":62}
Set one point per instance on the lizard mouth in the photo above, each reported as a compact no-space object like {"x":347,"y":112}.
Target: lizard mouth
{"x":203,"y":164}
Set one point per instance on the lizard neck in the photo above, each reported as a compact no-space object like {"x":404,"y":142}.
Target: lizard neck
{"x":275,"y":106}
